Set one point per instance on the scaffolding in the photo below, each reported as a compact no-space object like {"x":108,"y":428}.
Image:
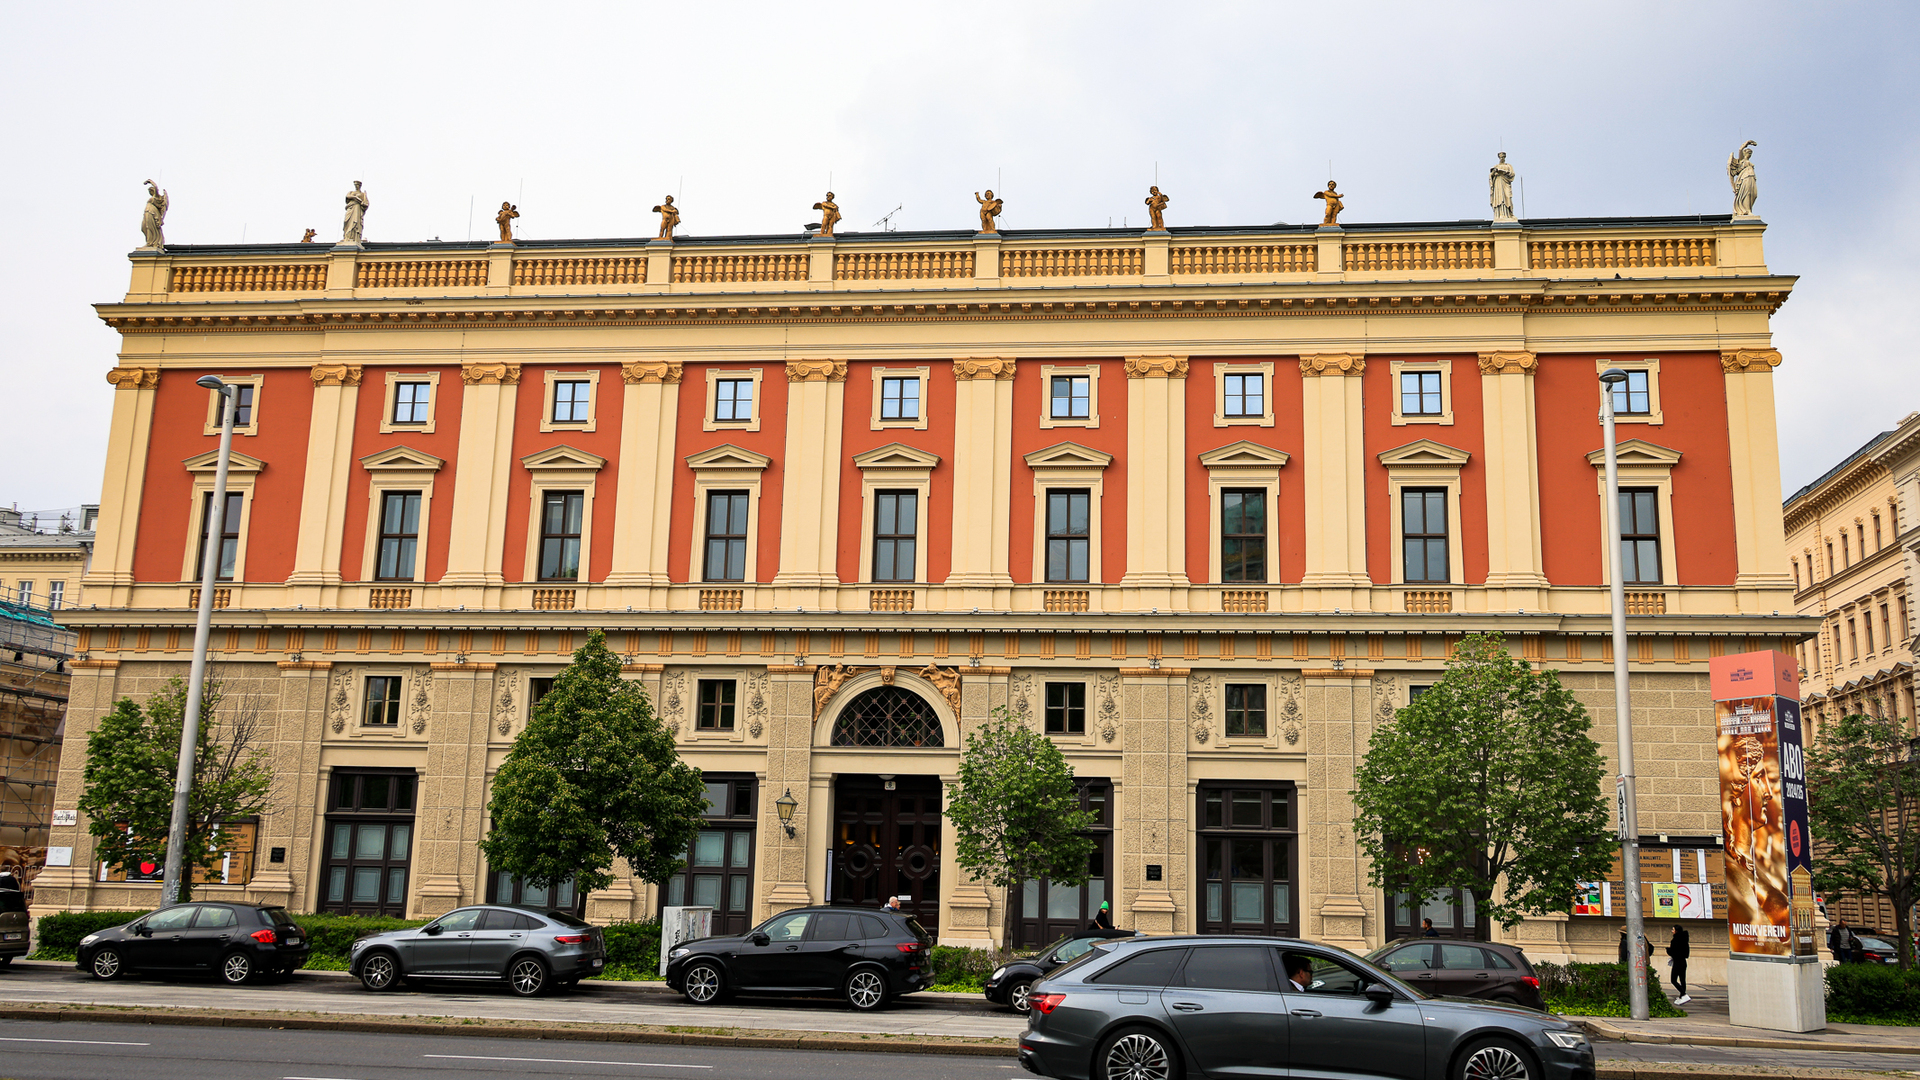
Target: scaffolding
{"x":35,"y":656}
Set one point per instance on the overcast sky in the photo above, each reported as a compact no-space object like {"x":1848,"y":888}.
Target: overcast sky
{"x":256,"y":117}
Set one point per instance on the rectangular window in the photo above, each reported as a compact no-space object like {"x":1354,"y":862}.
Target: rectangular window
{"x":368,"y":842}
{"x":899,"y":399}
{"x":1853,"y":641}
{"x":1423,"y":523}
{"x":1066,"y":708}
{"x":399,"y":535}
{"x":733,"y":400}
{"x":1420,"y":393}
{"x":1247,"y":709}
{"x":1246,"y":395}
{"x":1071,"y":397}
{"x":718,"y":870}
{"x":1247,"y":854}
{"x":1866,"y":623}
{"x":1861,"y":532}
{"x":560,"y":513}
{"x":1796,"y":573}
{"x":1044,"y":910}
{"x":716,"y":704}
{"x":537,"y":688}
{"x":25,"y":592}
{"x":1069,"y":514}
{"x":1243,"y":534}
{"x":895,"y":519}
{"x":1846,"y":551}
{"x":229,"y":536}
{"x":412,"y":402}
{"x":57,"y":592}
{"x":1886,"y":622}
{"x":1877,"y":542}
{"x":242,"y":404}
{"x":1830,"y":566}
{"x":383,"y":701}
{"x":1632,"y":398}
{"x":1639,"y":537}
{"x":726,"y":536}
{"x":571,"y":399}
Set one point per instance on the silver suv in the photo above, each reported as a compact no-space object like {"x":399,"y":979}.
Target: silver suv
{"x":531,"y":951}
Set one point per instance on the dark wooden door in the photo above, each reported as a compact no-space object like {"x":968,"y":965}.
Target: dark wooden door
{"x":887,"y":843}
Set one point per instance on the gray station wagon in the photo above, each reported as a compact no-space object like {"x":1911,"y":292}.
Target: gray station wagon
{"x":1244,"y":1007}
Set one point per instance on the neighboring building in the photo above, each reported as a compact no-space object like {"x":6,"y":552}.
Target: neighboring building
{"x":34,"y":656}
{"x":1204,"y":507}
{"x":1853,"y":542}
{"x":43,"y":562}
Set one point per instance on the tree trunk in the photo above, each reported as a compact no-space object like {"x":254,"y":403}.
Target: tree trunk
{"x":1902,"y":925}
{"x":1008,"y":924}
{"x":1482,"y":926}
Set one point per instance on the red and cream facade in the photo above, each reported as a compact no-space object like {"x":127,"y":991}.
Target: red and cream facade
{"x":1070,"y":501}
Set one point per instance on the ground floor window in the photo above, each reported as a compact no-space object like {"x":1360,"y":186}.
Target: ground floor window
{"x":1451,"y":910}
{"x":1045,"y":910}
{"x":719,"y":863}
{"x":504,"y":888}
{"x":368,"y":842}
{"x":1249,"y":853}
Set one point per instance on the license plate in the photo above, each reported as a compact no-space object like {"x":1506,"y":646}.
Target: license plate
{"x":11,"y":937}
{"x":598,"y":963}
{"x":293,"y":941}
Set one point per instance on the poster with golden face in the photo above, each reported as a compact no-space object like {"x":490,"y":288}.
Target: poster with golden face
{"x":1753,"y":815}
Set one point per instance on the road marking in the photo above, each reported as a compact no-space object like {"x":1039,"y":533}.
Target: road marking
{"x":315,"y":1078}
{"x":562,"y":1061}
{"x":81,"y":1042}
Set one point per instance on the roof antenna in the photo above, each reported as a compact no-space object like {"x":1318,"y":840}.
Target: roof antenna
{"x":885,"y":224}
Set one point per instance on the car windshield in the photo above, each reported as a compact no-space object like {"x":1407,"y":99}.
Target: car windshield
{"x":1070,"y":948}
{"x":565,"y":918}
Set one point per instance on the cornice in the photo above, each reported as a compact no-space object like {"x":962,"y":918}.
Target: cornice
{"x":1508,"y":363}
{"x":337,"y":374}
{"x":1156,"y":367}
{"x":309,"y":315}
{"x":1734,"y":361}
{"x":642,"y":371}
{"x":134,"y":378}
{"x":490,"y":374}
{"x":816,"y":371}
{"x":1863,"y":473}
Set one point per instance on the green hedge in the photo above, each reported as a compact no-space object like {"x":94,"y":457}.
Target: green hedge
{"x":1873,"y":994}
{"x":634,"y":949}
{"x":1597,"y":990}
{"x":333,"y":935}
{"x":959,"y":967}
{"x":60,"y":934}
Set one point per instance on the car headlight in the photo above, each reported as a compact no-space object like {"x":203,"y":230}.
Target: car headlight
{"x":1568,"y":1040}
{"x":90,"y":939}
{"x":997,"y":972}
{"x":678,"y":953}
{"x":359,"y":943}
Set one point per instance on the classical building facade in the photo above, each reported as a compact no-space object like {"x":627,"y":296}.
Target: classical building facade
{"x":42,"y":563}
{"x":1204,"y":506}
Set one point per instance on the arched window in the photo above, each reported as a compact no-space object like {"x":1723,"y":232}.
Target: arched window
{"x":888,"y":716}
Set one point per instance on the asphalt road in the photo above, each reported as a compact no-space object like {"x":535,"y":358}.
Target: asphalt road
{"x":83,"y":1051}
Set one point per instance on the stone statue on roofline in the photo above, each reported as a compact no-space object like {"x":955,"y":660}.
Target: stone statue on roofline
{"x":829,"y":215}
{"x":1746,"y":189}
{"x":1334,"y":205}
{"x":356,"y":220}
{"x":504,"y":219}
{"x":990,"y":208}
{"x":1500,"y":189}
{"x":153,"y":217}
{"x":1156,"y":209}
{"x":669,"y":217}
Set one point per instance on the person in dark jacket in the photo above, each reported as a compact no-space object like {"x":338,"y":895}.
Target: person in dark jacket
{"x":1103,"y":919}
{"x":1679,"y":947}
{"x":1644,"y":950}
{"x":1427,"y":930}
{"x":1840,"y":941}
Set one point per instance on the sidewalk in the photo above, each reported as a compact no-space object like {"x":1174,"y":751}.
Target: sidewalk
{"x":1707,"y":1024}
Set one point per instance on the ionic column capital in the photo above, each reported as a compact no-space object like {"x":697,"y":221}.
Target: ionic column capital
{"x":1156,"y":367}
{"x":134,"y":378}
{"x":816,"y":371}
{"x":652,"y":371}
{"x":1332,"y":363}
{"x":490,"y":374}
{"x":1736,"y":361}
{"x":337,"y":374}
{"x":1508,"y":363}
{"x":983,"y":367}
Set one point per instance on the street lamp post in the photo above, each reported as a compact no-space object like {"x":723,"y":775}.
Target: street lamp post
{"x":202,"y":631}
{"x":1623,"y":713}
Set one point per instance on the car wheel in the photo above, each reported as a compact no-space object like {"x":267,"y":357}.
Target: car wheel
{"x":1494,"y":1059}
{"x":867,"y":990}
{"x":528,"y":977}
{"x":236,"y":968}
{"x":1136,"y":1054}
{"x":703,"y":984}
{"x":108,"y":964}
{"x":1020,"y":996}
{"x":380,"y":972}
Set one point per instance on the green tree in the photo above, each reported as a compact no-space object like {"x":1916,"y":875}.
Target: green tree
{"x":1489,"y":783}
{"x":1863,"y":798}
{"x":1016,"y":816}
{"x":132,"y":758}
{"x":593,"y":777}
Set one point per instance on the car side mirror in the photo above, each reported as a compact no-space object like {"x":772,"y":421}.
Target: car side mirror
{"x":141,"y":931}
{"x":758,"y":938}
{"x":1379,"y":993}
{"x":432,"y":931}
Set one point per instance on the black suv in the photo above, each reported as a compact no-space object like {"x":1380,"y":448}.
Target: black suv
{"x":867,"y":955}
{"x":234,"y":941}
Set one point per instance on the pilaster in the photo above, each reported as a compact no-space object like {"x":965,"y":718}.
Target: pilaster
{"x":457,"y":708}
{"x":1339,"y":905}
{"x":1330,"y":252}
{"x":1512,"y":449}
{"x":810,"y":482}
{"x":1509,"y":249}
{"x":1159,"y":256}
{"x":1154,"y":819}
{"x":986,"y":259}
{"x":643,"y":506}
{"x":109,"y":580}
{"x":982,"y":477}
{"x":1156,"y":480}
{"x":1763,"y":582}
{"x":476,"y":547}
{"x":820,"y":262}
{"x":793,"y":869}
{"x":1336,"y":517}
{"x":323,"y":489}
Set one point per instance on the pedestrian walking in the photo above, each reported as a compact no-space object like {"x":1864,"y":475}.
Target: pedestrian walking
{"x":1103,"y":919}
{"x":1427,"y":930}
{"x":1840,"y":941}
{"x":1679,"y":947}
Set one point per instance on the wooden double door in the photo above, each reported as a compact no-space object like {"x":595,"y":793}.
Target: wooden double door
{"x":886,"y":842}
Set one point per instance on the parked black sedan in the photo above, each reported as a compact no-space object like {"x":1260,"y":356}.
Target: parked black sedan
{"x":237,"y":942}
{"x":1013,"y":981}
{"x":867,"y":955}
{"x":1248,"y":1006}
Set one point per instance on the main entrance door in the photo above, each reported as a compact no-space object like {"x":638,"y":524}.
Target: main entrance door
{"x":887,"y":843}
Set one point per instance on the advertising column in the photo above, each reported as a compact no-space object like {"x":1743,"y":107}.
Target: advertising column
{"x":1774,"y":977}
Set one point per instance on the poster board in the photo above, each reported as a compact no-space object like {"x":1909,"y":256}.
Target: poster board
{"x":1763,"y":805}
